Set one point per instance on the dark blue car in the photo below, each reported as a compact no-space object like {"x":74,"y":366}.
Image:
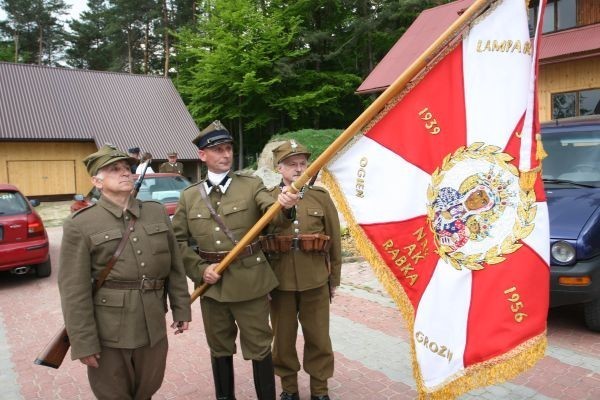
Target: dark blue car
{"x":571,"y":175}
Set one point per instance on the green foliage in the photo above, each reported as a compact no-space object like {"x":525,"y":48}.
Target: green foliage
{"x":315,"y":140}
{"x":35,"y":28}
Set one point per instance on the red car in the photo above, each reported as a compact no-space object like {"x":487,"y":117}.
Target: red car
{"x":23,"y":239}
{"x":164,"y":188}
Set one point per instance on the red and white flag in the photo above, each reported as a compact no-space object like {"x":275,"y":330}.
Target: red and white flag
{"x":441,"y":193}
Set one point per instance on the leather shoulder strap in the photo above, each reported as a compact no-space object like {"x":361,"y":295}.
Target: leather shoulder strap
{"x":113,"y":260}
{"x":214,"y":214}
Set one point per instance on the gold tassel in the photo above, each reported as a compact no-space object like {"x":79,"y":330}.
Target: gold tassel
{"x":527,"y":179}
{"x":540,"y":153}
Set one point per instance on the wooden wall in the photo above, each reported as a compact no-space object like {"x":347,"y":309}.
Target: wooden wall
{"x":566,"y":76}
{"x":46,"y":168}
{"x":588,"y":12}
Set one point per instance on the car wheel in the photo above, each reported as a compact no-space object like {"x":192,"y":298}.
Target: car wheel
{"x":592,"y":315}
{"x":44,"y":269}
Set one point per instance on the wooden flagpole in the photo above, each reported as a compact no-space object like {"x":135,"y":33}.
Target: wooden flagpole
{"x":449,"y":34}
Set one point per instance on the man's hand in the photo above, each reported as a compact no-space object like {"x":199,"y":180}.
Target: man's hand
{"x":210,"y":276}
{"x":287,"y":199}
{"x":180,"y":326}
{"x":91,"y":361}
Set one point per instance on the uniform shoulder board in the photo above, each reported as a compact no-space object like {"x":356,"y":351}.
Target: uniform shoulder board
{"x":318,"y":188}
{"x":152,"y":201}
{"x":193,"y":185}
{"x":246,"y":174}
{"x":82,"y":210}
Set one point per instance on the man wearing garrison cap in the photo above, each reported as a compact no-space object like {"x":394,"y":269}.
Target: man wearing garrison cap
{"x":211,"y":217}
{"x":172,"y":165}
{"x":307,"y":259}
{"x":119,"y":330}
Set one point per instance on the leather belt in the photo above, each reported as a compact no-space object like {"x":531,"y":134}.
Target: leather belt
{"x":313,"y":242}
{"x":218,"y":256}
{"x":142,"y":284}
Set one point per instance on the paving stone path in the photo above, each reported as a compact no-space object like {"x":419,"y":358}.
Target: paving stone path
{"x":369,"y":339}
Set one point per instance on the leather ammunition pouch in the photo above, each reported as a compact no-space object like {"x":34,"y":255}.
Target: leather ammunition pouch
{"x":142,"y":284}
{"x":218,"y":256}
{"x":315,"y":242}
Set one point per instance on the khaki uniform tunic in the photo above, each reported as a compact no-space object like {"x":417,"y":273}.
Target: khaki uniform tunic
{"x":115,"y":318}
{"x":240,"y":296}
{"x":176,"y":168}
{"x":303,"y":294}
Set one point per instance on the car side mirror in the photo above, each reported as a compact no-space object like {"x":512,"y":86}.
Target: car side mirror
{"x":34,"y":202}
{"x":78,"y":197}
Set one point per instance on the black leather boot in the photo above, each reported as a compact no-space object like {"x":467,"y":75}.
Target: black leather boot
{"x":264,"y":378}
{"x":223,"y":375}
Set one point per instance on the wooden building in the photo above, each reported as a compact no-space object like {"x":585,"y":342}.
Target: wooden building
{"x":52,"y":118}
{"x":569,"y":74}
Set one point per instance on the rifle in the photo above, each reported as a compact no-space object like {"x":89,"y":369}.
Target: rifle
{"x":55,"y":351}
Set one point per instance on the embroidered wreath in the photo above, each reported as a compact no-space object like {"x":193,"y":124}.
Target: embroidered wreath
{"x":525,"y":207}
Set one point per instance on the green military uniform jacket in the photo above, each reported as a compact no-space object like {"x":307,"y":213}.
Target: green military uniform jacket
{"x":241,"y":206}
{"x":297,"y":270}
{"x":112,"y":317}
{"x":176,"y":168}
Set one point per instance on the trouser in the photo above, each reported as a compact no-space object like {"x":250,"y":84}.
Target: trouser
{"x":221,"y":322}
{"x":311,"y":309}
{"x":129,"y":373}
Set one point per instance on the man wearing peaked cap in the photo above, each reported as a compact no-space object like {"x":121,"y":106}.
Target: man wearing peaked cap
{"x":306,"y":258}
{"x":119,"y":330}
{"x":212,"y":135}
{"x":134,"y":152}
{"x":214,"y":214}
{"x":172,"y":165}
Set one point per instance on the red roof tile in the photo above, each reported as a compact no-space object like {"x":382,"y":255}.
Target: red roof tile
{"x":431,"y":23}
{"x":585,"y":39}
{"x":428,"y":26}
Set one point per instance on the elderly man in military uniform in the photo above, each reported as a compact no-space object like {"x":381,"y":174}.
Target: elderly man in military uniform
{"x":119,"y":330}
{"x":172,"y":165}
{"x":211,"y":217}
{"x":306,"y":258}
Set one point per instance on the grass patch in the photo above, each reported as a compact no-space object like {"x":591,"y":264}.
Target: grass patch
{"x":316,"y":140}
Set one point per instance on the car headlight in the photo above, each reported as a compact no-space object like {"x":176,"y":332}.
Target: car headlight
{"x":563,"y":252}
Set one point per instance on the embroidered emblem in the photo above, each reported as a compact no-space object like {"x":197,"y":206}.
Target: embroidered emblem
{"x":218,"y":125}
{"x":476,"y":208}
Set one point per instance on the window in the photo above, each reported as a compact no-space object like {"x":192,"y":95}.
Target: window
{"x":574,"y":104}
{"x":558,"y":15}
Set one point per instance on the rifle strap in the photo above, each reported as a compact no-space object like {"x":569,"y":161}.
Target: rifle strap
{"x":214,"y":214}
{"x":113,"y":260}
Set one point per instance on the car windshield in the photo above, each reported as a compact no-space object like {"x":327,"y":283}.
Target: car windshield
{"x":165,"y":189}
{"x":12,"y":203}
{"x":573,"y":158}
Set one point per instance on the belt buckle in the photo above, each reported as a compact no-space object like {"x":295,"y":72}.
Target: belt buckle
{"x":296,"y":243}
{"x":142,"y":288}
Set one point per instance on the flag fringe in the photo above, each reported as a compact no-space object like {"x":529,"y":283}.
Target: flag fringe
{"x":493,"y":371}
{"x":496,"y":370}
{"x":365,"y":247}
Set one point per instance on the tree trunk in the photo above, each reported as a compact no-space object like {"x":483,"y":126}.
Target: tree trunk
{"x":146,"y":45}
{"x":240,"y":137}
{"x":40,"y":45}
{"x":129,"y":51}
{"x":166,"y":44}
{"x":194,"y":12}
{"x":16,"y":38}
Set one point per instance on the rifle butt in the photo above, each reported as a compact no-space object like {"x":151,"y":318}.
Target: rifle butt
{"x":55,"y":351}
